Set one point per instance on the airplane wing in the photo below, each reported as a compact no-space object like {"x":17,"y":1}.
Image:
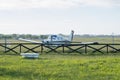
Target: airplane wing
{"x":27,"y":40}
{"x":89,"y":43}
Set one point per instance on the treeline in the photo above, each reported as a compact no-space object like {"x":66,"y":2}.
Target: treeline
{"x":25,"y":36}
{"x":88,"y":35}
{"x":30,"y":36}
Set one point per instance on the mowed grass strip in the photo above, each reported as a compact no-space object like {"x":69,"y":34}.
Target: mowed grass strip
{"x":60,"y":67}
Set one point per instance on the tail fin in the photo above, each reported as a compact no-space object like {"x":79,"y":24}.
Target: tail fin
{"x":71,"y":35}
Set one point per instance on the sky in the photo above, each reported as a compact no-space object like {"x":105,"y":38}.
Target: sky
{"x":60,"y":16}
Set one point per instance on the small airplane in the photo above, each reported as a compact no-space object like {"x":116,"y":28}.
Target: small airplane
{"x":54,"y":39}
{"x":57,"y":40}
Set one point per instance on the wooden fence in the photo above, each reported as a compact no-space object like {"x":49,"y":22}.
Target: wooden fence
{"x":64,"y":48}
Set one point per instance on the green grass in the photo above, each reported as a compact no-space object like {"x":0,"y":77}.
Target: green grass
{"x":63,"y":66}
{"x":60,"y":67}
{"x":97,"y":39}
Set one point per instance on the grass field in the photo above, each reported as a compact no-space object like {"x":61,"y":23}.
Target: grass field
{"x":63,"y":66}
{"x":60,"y":67}
{"x":98,"y":39}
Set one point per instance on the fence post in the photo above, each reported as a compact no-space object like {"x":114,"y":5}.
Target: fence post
{"x":63,"y":48}
{"x":41,"y":48}
{"x":20,"y":48}
{"x":107,"y":48}
{"x":5,"y":44}
{"x":86,"y":48}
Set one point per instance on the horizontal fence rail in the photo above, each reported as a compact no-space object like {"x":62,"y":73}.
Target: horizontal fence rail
{"x":58,"y":48}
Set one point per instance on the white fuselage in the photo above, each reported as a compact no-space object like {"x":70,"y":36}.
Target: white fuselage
{"x":58,"y":39}
{"x":55,"y":39}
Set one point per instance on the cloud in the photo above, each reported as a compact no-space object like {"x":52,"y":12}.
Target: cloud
{"x":99,"y":3}
{"x":11,"y":4}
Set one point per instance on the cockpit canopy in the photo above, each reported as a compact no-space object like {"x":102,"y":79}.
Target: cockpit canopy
{"x":55,"y":38}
